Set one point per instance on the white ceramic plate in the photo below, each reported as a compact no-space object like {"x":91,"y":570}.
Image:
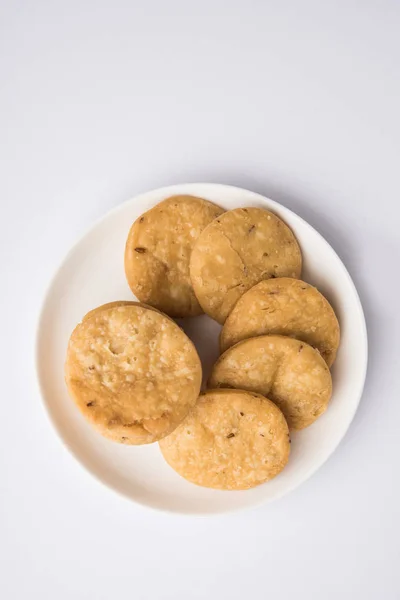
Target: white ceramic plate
{"x":93,"y":273}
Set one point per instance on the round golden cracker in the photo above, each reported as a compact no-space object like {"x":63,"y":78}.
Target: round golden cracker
{"x":231,"y":440}
{"x":158,"y":250}
{"x":240,"y":248}
{"x":133,"y":373}
{"x":284,"y":306}
{"x":291,"y":373}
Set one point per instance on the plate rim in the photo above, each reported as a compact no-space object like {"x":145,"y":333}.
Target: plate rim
{"x":170,"y":190}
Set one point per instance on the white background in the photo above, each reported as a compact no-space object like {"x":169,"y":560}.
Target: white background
{"x":298,"y":100}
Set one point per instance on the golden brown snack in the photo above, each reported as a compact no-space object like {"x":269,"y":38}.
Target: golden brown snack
{"x":290,"y":373}
{"x":158,"y":250}
{"x":231,"y":440}
{"x":284,"y":306}
{"x":237,"y":250}
{"x":132,"y":372}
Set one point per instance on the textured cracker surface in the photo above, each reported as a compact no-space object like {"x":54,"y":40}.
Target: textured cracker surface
{"x":133,"y":373}
{"x":117,"y":303}
{"x":231,"y":440}
{"x":237,"y":250}
{"x":158,"y":250}
{"x":291,"y":373}
{"x":284,"y":306}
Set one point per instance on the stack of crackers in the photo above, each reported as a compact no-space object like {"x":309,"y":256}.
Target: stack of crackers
{"x":136,"y":376}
